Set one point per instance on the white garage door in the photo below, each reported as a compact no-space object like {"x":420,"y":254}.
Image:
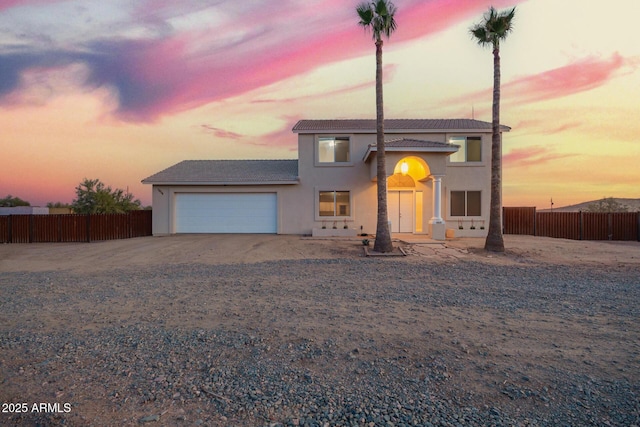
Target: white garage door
{"x":226,"y":213}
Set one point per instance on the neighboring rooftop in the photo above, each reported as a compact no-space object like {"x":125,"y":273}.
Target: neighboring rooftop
{"x":393,"y":125}
{"x":238,"y":172}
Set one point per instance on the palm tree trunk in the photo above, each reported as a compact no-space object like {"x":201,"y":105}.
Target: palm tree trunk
{"x":383,"y":236}
{"x":494,"y":241}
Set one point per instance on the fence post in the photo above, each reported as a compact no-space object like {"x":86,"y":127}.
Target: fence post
{"x":535,"y":220}
{"x":88,"y":228}
{"x":31,"y":228}
{"x":610,"y":225}
{"x":638,"y":230}
{"x":580,"y":226}
{"x":10,"y":231}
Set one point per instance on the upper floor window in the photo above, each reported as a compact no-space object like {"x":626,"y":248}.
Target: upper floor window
{"x":333,"y":150}
{"x":470,"y":149}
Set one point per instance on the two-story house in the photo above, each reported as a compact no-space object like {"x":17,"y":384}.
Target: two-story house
{"x":438,"y":178}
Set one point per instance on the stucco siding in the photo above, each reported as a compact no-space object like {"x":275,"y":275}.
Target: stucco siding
{"x":298,"y":200}
{"x":469,"y":177}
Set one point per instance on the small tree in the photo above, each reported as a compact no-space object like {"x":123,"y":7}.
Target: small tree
{"x":93,"y":197}
{"x":10,"y":202}
{"x":606,"y":204}
{"x":58,"y":205}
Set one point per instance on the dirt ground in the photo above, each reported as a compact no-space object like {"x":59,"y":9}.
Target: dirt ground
{"x":230,"y":249}
{"x":485,"y":343}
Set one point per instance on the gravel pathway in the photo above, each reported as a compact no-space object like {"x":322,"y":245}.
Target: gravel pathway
{"x":335,"y":342}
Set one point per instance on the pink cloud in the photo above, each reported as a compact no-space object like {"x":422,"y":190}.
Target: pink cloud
{"x":266,"y":53}
{"x":422,"y":18}
{"x":282,"y":137}
{"x":175,"y":72}
{"x":580,"y":76}
{"x":531,"y":156}
{"x":221,"y":133}
{"x":389,"y":72}
{"x":8,"y":4}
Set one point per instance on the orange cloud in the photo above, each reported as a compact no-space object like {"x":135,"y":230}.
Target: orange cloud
{"x":531,"y":156}
{"x":538,"y":126}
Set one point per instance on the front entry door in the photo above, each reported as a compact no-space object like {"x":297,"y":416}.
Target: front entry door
{"x":400,"y":206}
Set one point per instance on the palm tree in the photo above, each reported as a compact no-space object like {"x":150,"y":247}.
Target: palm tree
{"x":494,"y":28}
{"x":379,"y":17}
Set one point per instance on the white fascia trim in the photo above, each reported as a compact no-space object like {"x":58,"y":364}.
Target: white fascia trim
{"x":221,"y":184}
{"x":371,"y":150}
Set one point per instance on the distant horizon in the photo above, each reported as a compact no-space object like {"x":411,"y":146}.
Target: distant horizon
{"x":119,"y":91}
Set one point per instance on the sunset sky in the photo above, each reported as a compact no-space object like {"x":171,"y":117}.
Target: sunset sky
{"x":120,"y":89}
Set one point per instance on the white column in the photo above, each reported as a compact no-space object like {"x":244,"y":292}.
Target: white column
{"x":437,"y":200}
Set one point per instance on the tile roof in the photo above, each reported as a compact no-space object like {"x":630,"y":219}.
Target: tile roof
{"x":391,"y":125}
{"x":219,"y":172}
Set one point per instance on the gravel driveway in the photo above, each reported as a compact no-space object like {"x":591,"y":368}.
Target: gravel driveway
{"x":284,"y":331}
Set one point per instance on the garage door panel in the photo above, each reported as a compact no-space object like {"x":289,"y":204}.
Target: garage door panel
{"x":226,"y":213}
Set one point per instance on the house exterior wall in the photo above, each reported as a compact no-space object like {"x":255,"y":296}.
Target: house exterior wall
{"x":352,"y":177}
{"x":359,"y":178}
{"x":469,"y":177}
{"x":160,"y":216}
{"x":298,"y":210}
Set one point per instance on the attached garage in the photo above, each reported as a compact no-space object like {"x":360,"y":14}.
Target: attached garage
{"x":221,"y":196}
{"x":226,"y":213}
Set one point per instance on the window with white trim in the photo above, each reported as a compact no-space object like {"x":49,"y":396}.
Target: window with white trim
{"x":466,"y":203}
{"x":470,"y":149}
{"x":334,"y":149}
{"x":334,"y":203}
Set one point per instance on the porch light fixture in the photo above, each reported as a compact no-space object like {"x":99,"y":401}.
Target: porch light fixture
{"x":404,"y":167}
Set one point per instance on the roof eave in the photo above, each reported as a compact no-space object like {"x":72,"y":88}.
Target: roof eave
{"x":503,"y":128}
{"x":373,"y":149}
{"x":222,"y":183}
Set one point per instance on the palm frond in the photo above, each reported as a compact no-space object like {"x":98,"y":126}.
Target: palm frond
{"x":381,"y":7}
{"x":377,"y":16}
{"x":494,"y":27}
{"x":479,"y":33}
{"x":365,"y":13}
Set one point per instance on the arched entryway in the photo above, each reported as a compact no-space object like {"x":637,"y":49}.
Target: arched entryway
{"x":405,"y":199}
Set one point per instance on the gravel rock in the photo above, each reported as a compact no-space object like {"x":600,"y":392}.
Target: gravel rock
{"x":253,"y":367}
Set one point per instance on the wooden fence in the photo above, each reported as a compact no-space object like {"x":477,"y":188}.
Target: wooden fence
{"x":74,"y":228}
{"x":572,"y":225}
